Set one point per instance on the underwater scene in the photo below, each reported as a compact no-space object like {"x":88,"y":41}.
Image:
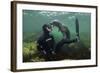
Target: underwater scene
{"x":33,"y":21}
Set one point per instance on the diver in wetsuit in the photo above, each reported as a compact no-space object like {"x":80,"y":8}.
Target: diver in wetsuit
{"x":46,"y":43}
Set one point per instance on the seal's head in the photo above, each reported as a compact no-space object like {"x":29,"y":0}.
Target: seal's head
{"x":55,"y":23}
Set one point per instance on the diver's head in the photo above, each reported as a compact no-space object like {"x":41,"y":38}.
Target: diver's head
{"x":47,"y":28}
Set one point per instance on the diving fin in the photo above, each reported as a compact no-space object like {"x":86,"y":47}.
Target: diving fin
{"x":77,"y":29}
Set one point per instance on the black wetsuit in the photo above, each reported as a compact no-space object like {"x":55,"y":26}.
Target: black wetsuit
{"x":46,"y":46}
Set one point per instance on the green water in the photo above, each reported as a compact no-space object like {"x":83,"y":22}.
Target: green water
{"x":34,"y":20}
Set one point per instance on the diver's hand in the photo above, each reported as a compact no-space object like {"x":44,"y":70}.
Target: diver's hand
{"x":44,"y":52}
{"x":53,"y":52}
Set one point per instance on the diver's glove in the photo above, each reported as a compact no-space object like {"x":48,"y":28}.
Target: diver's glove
{"x":52,"y":51}
{"x":44,"y":52}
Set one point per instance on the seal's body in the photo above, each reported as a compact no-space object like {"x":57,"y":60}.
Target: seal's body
{"x":64,"y":29}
